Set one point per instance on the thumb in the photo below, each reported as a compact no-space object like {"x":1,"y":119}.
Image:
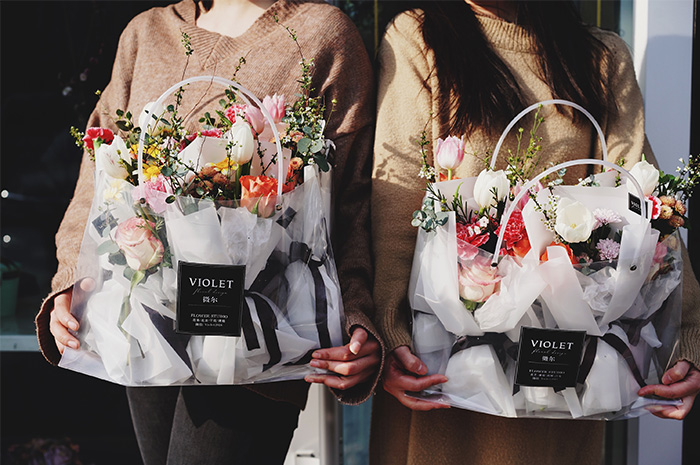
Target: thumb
{"x":409,"y":361}
{"x":359,"y":337}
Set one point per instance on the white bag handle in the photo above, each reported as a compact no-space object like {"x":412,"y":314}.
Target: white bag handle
{"x":548,"y":102}
{"x":245,"y":94}
{"x":530,"y":184}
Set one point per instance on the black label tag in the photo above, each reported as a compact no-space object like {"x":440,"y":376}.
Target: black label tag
{"x":210,"y":299}
{"x":549,"y":357}
{"x":635,"y":204}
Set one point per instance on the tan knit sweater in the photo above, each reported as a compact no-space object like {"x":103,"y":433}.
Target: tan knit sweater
{"x":404,"y":108}
{"x":150,"y":58}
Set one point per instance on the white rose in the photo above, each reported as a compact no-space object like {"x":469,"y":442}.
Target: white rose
{"x":202,"y":151}
{"x":147,"y":121}
{"x":574,"y":221}
{"x":485,"y":184}
{"x":646,"y":175}
{"x":240,"y":142}
{"x":109,"y":158}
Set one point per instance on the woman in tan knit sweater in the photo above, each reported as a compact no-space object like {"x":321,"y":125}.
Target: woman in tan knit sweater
{"x":473,"y":66}
{"x":236,"y":424}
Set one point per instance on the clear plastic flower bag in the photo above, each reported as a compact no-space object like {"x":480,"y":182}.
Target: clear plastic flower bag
{"x":500,"y":328}
{"x":194,"y":291}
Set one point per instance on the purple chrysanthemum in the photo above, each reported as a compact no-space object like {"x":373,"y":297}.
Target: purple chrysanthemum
{"x":605,"y":216}
{"x":608,"y":249}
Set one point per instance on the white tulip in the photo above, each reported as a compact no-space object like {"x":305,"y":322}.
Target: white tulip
{"x":108,"y":158}
{"x":485,"y":184}
{"x":574,"y":221}
{"x":147,"y":121}
{"x":646,"y":175}
{"x":202,"y":151}
{"x":240,"y":142}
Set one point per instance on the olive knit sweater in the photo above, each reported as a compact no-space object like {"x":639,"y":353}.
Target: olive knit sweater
{"x":404,"y":108}
{"x":150,"y":58}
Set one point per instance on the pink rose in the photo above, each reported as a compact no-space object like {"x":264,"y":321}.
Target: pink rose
{"x":478,"y":282}
{"x":275,"y":106}
{"x":155,"y":191}
{"x":140,"y":246}
{"x":99,"y":135}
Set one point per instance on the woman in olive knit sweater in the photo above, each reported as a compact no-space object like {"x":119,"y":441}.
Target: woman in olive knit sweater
{"x":236,"y":424}
{"x":474,"y":65}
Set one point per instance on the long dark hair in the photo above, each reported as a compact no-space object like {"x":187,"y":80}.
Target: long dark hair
{"x":477,"y":88}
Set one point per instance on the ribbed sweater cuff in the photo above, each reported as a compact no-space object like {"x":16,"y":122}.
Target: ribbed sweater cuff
{"x":396,"y":336}
{"x":690,"y":349}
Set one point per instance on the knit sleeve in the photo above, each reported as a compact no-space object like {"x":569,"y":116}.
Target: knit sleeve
{"x":403,"y":110}
{"x":70,"y":232}
{"x":626,"y":138}
{"x":345,"y":81}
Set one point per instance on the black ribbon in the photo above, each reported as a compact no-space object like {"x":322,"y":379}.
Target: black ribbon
{"x":268,"y":323}
{"x":616,"y":343}
{"x":497,"y":340}
{"x":619,"y":345}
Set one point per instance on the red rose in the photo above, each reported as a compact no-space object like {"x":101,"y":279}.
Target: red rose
{"x":259,"y":195}
{"x":100,"y":135}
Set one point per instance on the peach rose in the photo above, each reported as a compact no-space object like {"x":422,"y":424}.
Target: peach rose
{"x":259,"y":195}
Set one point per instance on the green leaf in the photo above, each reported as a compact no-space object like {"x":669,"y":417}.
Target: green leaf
{"x":166,"y":171}
{"x":171,"y":108}
{"x":416,"y":222}
{"x":322,"y":162}
{"x":123,"y":125}
{"x":120,"y":112}
{"x":303,"y":145}
{"x":317,"y":146}
{"x":117,"y":258}
{"x":107,"y":247}
{"x":128,"y":273}
{"x":222,"y":102}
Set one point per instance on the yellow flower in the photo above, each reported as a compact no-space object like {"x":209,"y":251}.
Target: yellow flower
{"x":226,"y":164}
{"x":151,"y":171}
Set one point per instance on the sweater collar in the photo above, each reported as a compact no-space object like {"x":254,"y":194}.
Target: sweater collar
{"x":505,"y":35}
{"x":208,"y":46}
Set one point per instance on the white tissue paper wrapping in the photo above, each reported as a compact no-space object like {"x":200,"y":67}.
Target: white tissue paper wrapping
{"x":127,"y":334}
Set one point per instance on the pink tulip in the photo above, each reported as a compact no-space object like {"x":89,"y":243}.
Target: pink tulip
{"x":275,"y":106}
{"x":449,"y":153}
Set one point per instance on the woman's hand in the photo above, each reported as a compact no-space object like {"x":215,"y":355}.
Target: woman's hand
{"x":682,"y":381}
{"x":354,"y":362}
{"x":403,"y":372}
{"x":61,"y":318}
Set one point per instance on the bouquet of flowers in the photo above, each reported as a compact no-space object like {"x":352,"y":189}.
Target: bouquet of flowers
{"x":548,"y":300}
{"x":209,"y":250}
